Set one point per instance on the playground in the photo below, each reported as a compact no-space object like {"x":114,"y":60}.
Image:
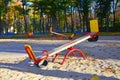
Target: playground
{"x":59,"y":40}
{"x":102,"y":61}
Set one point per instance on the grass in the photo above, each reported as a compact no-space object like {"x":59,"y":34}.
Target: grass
{"x":109,"y":33}
{"x":48,"y":36}
{"x":24,"y":36}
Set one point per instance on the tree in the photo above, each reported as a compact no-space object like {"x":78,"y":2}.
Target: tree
{"x":25,"y":14}
{"x":3,"y":11}
{"x":103,"y":13}
{"x":115,"y":2}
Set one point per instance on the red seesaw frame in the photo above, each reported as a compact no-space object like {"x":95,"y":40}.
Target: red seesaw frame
{"x":36,"y":60}
{"x":32,"y":56}
{"x":72,"y":51}
{"x":68,"y":46}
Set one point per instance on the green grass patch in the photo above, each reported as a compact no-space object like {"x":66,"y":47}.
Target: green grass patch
{"x":48,"y":36}
{"x":109,"y":33}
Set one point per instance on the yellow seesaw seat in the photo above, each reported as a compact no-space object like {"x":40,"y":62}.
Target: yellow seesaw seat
{"x":94,"y":26}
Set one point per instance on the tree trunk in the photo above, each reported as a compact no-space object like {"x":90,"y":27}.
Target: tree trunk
{"x":40,"y":23}
{"x":58,"y":20}
{"x":0,"y":22}
{"x":54,"y":22}
{"x":114,"y":8}
{"x":87,"y":24}
{"x":101,"y":14}
{"x":66,"y":24}
{"x":72,"y":22}
{"x":107,"y":21}
{"x":24,"y":13}
{"x":79,"y":16}
{"x":43,"y":26}
{"x":83,"y":24}
{"x":34,"y":21}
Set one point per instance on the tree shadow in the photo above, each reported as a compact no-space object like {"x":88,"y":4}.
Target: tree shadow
{"x":25,"y":67}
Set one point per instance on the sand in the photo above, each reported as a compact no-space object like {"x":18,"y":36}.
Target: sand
{"x":103,"y":60}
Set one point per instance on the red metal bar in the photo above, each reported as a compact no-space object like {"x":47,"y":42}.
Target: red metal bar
{"x":73,"y":53}
{"x":56,"y":55}
{"x":73,"y":50}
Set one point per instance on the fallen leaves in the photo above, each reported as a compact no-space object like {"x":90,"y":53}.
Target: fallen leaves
{"x":109,"y":69}
{"x":72,"y":59}
{"x":108,"y":44}
{"x":80,"y":62}
{"x":94,"y":60}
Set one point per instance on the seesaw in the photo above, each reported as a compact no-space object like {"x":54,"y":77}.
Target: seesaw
{"x":42,"y":60}
{"x":93,"y":28}
{"x":61,"y":36}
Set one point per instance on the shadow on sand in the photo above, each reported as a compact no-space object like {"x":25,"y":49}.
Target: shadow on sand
{"x":25,"y":67}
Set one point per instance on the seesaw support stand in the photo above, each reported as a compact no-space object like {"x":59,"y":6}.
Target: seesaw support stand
{"x":72,"y":51}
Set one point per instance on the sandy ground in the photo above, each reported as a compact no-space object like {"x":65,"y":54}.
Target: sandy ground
{"x":103,"y":60}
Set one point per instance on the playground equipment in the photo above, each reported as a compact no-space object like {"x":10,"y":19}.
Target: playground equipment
{"x":42,"y":60}
{"x":61,"y":36}
{"x":93,"y":28}
{"x":33,"y":57}
{"x":29,"y":34}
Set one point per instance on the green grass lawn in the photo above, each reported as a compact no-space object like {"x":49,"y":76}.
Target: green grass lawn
{"x":109,"y":33}
{"x":48,"y":36}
